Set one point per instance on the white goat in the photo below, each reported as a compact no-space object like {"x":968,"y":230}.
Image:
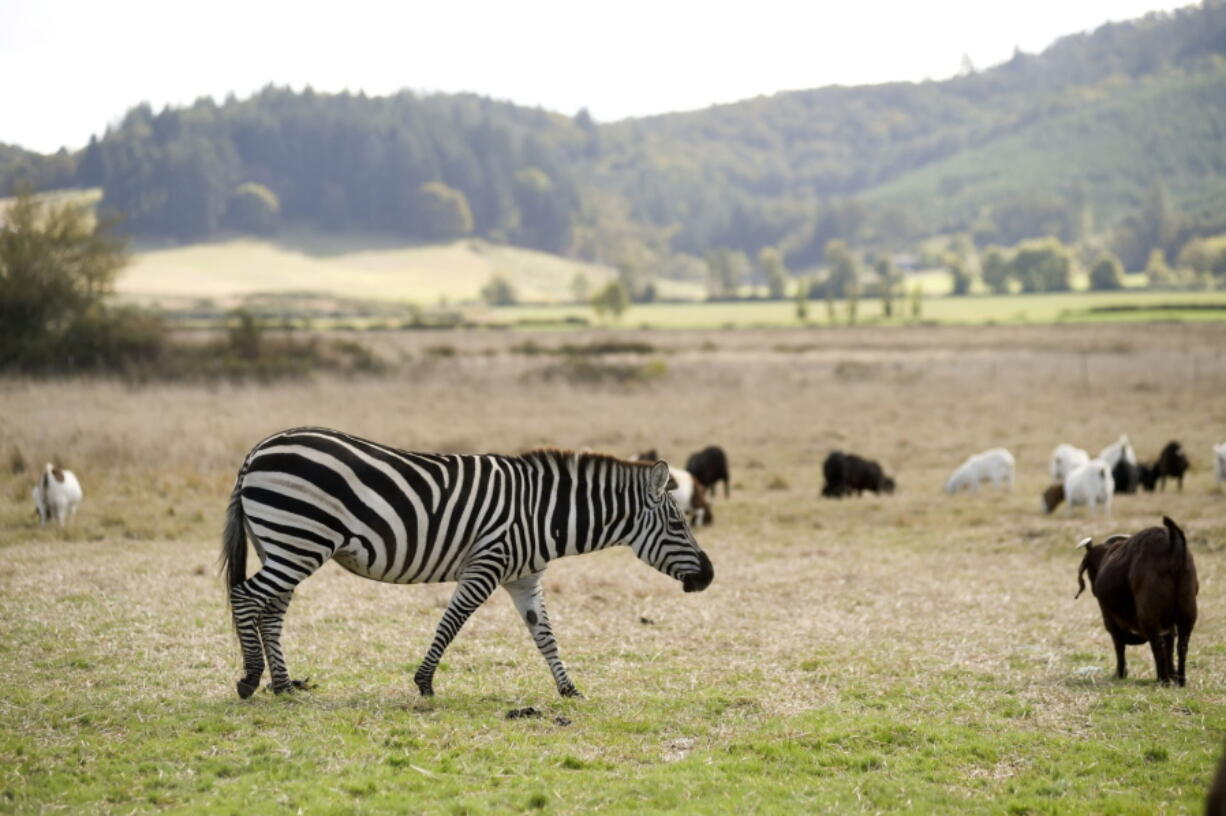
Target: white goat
{"x":995,"y":465}
{"x":1219,"y":457}
{"x":690,"y":497}
{"x":1065,"y":459}
{"x":1117,"y":449}
{"x":56,"y":495}
{"x":1091,"y":484}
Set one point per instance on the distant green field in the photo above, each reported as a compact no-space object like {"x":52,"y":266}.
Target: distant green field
{"x":355,"y":267}
{"x":1072,"y":307}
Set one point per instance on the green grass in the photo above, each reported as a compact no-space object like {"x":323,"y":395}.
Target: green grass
{"x":1070,"y":307}
{"x":903,"y":653}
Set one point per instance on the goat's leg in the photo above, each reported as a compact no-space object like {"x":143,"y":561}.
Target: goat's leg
{"x":1157,"y":644}
{"x":1168,"y":646}
{"x":1121,"y":666}
{"x":1185,"y":634}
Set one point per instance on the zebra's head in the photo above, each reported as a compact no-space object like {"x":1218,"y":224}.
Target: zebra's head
{"x":663,"y":538}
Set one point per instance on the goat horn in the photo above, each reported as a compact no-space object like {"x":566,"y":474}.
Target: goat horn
{"x":1085,"y":542}
{"x":1116,"y":537}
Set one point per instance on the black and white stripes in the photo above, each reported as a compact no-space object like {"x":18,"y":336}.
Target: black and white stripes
{"x":309,"y":494}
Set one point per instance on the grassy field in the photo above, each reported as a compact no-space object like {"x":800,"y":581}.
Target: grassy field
{"x":351,"y":266}
{"x":910,"y":653}
{"x":1068,"y":307}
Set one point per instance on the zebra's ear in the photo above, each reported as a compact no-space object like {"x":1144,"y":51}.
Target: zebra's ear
{"x":660,"y":477}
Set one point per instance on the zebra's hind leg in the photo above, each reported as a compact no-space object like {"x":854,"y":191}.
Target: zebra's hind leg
{"x":530,"y":601}
{"x":476,"y":585}
{"x":259,"y":605}
{"x":270,"y":633}
{"x":246,"y":607}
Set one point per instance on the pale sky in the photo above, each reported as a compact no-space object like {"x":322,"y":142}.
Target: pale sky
{"x":70,"y":67}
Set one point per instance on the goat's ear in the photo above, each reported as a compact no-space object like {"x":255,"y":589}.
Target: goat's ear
{"x":660,"y":477}
{"x":1086,"y":542}
{"x":1081,"y":582}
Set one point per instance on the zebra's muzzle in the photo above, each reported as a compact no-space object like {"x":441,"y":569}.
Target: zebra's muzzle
{"x":698,"y":581}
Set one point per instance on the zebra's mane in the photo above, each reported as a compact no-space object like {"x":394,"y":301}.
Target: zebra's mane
{"x":563,"y":457}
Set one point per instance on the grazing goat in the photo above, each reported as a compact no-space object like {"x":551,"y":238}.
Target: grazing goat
{"x":691,"y":497}
{"x":1065,"y":458}
{"x":1127,"y":476}
{"x":1171,"y":462}
{"x":1091,"y":484}
{"x":995,"y":465}
{"x":1146,"y":588}
{"x":709,"y":466}
{"x":56,"y":495}
{"x":1052,"y":497}
{"x":1219,"y":459}
{"x":1147,"y":475}
{"x":1119,"y":449}
{"x":846,"y":473}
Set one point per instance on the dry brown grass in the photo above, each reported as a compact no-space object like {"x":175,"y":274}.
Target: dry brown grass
{"x":916,"y":606}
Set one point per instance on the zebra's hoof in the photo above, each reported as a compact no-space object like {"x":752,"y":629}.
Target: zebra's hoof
{"x":570,"y":691}
{"x":426,"y":687}
{"x":246,"y":689}
{"x":292,"y":686}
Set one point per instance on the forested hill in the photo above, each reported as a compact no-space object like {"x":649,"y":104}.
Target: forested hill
{"x":1076,"y":139}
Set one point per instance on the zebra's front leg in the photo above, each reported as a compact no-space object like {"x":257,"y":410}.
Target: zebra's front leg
{"x":476,"y":585}
{"x":530,"y":601}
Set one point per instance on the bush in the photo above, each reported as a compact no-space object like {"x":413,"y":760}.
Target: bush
{"x":1107,"y":274}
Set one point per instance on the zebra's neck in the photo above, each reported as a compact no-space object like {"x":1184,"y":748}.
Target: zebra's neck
{"x":579,"y":502}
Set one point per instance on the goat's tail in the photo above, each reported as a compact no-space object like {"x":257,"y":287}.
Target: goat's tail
{"x":1179,"y":542}
{"x":234,"y":539}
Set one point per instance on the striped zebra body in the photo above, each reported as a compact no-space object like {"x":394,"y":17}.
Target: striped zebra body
{"x":306,"y":495}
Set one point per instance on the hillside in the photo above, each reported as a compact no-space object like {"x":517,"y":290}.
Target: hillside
{"x":1069,"y":141}
{"x":352,"y":267}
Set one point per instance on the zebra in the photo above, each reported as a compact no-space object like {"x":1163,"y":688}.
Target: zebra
{"x":306,"y":495}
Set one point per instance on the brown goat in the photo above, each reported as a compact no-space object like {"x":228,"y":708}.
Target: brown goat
{"x":1052,"y":497}
{"x":1146,"y":587}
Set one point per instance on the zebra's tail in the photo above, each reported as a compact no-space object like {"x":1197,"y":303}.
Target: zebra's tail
{"x":234,"y":540}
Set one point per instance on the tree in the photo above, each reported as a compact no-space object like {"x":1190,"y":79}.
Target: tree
{"x":917,"y":301}
{"x":961,"y":279}
{"x":498,"y":291}
{"x":580,"y":289}
{"x":57,"y":263}
{"x":843,"y":272}
{"x":770,"y":262}
{"x":1157,"y":271}
{"x":887,"y":274}
{"x":443,"y":213}
{"x":1107,"y":273}
{"x":612,"y":300}
{"x":995,"y":268}
{"x":802,"y":300}
{"x":1042,"y":265}
{"x":254,"y":208}
{"x":726,"y":270}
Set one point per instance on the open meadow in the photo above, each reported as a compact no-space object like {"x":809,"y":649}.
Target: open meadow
{"x":911,"y":652}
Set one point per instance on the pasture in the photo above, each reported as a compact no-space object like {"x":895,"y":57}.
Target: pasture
{"x":913,"y":652}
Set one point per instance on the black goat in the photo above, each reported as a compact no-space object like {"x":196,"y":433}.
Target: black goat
{"x":1171,"y":462}
{"x":847,"y":473}
{"x":1146,"y":588}
{"x":1127,"y":476}
{"x":709,"y":466}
